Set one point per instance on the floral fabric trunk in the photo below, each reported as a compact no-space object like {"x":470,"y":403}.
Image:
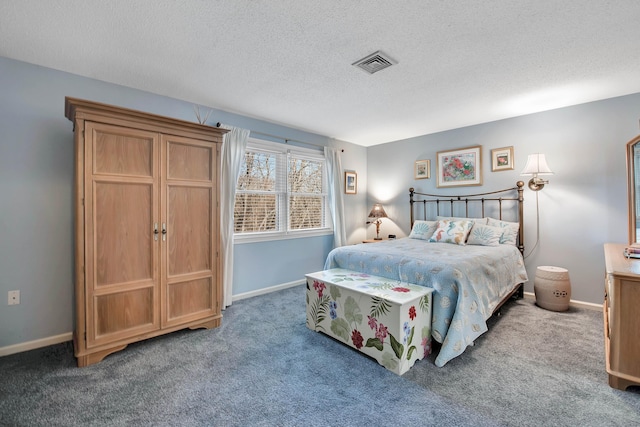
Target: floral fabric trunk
{"x":382,"y":318}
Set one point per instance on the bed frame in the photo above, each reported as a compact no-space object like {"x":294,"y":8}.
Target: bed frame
{"x":473,"y":206}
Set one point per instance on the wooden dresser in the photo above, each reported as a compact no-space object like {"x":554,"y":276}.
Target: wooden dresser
{"x":622,"y":317}
{"x":146,"y":227}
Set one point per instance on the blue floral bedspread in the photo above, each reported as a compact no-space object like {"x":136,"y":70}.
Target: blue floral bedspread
{"x":468,"y":281}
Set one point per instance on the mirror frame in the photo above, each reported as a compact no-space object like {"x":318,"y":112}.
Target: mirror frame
{"x":631,"y":188}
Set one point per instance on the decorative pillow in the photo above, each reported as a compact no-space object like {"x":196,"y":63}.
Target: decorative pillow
{"x":484,"y":235}
{"x":457,"y":218}
{"x":452,"y":231}
{"x":509,"y":230}
{"x":423,"y":230}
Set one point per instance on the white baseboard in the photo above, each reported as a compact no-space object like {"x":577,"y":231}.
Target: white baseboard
{"x":32,"y":345}
{"x":245,"y":295}
{"x":44,"y":342}
{"x":572,"y":303}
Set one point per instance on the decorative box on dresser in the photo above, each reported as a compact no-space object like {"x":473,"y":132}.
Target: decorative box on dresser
{"x":146,"y":227}
{"x":622,"y":317}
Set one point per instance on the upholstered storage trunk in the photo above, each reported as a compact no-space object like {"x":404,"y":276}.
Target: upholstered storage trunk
{"x":382,"y":318}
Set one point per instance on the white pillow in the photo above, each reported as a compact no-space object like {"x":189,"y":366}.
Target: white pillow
{"x":452,"y":232}
{"x":484,"y":235}
{"x":423,"y":230}
{"x":457,"y":218}
{"x":509,"y":230}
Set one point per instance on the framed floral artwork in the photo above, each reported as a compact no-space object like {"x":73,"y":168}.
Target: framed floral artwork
{"x":459,"y":167}
{"x":350,"y":183}
{"x":501,"y":159}
{"x":422,"y":169}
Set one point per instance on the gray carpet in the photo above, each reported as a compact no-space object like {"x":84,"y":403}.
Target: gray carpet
{"x":263,"y":367}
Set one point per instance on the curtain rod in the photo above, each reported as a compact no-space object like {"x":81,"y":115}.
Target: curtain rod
{"x":286,"y":140}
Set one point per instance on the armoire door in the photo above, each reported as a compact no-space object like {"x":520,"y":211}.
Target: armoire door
{"x":190,"y":282}
{"x":121,"y":208}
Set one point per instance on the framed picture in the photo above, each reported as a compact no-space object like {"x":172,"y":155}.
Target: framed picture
{"x":502,"y":159}
{"x":422,"y":169}
{"x":459,"y":167}
{"x":350,"y":183}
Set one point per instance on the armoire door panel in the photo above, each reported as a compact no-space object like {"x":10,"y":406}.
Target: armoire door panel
{"x":189,"y":161}
{"x":190,"y":297}
{"x":190,"y":265}
{"x":122,"y":151}
{"x":189,"y":229}
{"x":124,"y":312}
{"x":123,"y":232}
{"x":122,"y":194}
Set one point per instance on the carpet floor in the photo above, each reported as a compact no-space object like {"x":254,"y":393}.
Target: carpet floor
{"x":263,"y":367}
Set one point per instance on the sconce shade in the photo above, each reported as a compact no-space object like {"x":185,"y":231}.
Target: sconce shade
{"x":377,"y":211}
{"x":536,"y":165}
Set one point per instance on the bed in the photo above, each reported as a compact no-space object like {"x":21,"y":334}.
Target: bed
{"x":471,"y":278}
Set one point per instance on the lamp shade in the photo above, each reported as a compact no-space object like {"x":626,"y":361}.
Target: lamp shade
{"x":377,"y":211}
{"x":536,"y":165}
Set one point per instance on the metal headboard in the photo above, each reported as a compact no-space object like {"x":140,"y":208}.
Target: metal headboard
{"x":461,"y":205}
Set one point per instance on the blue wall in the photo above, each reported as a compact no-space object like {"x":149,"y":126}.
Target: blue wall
{"x":36,"y":204}
{"x":583,"y":206}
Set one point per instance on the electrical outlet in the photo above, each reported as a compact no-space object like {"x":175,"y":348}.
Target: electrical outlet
{"x":14,"y":297}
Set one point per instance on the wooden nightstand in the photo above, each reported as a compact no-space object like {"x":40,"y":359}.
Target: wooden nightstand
{"x":373,"y":240}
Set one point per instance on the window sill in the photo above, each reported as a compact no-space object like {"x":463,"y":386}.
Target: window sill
{"x":266,"y":237}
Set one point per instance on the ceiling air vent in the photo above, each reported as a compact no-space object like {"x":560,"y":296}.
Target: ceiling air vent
{"x":375,"y":62}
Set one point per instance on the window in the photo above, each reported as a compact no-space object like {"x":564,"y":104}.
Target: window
{"x":281,"y":192}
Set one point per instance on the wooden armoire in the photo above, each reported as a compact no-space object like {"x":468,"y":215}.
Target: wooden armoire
{"x":146,"y":227}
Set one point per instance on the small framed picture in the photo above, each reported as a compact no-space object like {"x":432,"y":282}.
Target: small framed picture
{"x":350,"y":183}
{"x":501,"y":159}
{"x":422,"y":169}
{"x":459,"y":167}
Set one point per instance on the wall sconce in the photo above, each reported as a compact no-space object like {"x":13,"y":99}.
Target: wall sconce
{"x":377,"y":212}
{"x":536,"y":165}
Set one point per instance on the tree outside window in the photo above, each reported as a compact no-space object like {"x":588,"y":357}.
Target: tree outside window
{"x":280,"y":191}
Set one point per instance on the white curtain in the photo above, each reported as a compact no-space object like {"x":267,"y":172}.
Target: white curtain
{"x":234,"y":144}
{"x":334,"y":175}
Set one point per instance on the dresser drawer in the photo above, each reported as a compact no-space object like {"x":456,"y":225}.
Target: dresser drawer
{"x":621,"y":317}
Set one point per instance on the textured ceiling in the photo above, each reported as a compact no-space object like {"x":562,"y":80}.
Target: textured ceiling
{"x":289,"y":61}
